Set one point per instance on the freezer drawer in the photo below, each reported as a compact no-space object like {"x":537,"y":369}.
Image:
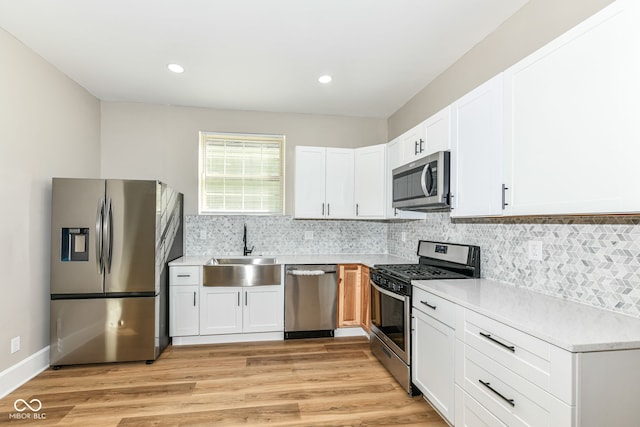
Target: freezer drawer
{"x":102,"y":330}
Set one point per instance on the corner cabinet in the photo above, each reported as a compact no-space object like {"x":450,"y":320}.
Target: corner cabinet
{"x":476,"y":152}
{"x":571,"y":141}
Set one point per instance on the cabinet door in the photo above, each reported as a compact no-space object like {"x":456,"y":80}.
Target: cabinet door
{"x":310,"y":182}
{"x":370,"y":181}
{"x":414,"y":143}
{"x":220,"y":311}
{"x":365,"y":299}
{"x":263,"y":309}
{"x":476,"y":152}
{"x":433,"y":351}
{"x":571,"y":144}
{"x":184,"y":311}
{"x":470,"y":413}
{"x":349,"y":311}
{"x":394,"y":159}
{"x":340,"y":181}
{"x":437,"y":130}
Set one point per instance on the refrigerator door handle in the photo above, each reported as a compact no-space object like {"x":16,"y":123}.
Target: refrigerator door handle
{"x":108,"y":231}
{"x":99,"y":236}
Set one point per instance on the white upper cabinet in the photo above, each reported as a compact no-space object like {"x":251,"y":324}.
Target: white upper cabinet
{"x":414,"y":143}
{"x":370,"y":182}
{"x":310,"y":182}
{"x":324,"y":182}
{"x":572,"y":140}
{"x":437,"y":131}
{"x":340,"y":181}
{"x":395,"y":158}
{"x":476,"y":152}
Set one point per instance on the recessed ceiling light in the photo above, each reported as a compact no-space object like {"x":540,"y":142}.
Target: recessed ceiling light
{"x":325,"y":79}
{"x":175,"y":68}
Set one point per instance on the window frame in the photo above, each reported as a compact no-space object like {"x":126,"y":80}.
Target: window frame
{"x":204,"y":137}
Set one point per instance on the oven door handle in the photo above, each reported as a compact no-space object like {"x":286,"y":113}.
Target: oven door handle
{"x":387,"y":293}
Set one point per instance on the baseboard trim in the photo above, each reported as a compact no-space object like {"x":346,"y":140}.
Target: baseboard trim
{"x":228,"y":338}
{"x":18,"y":374}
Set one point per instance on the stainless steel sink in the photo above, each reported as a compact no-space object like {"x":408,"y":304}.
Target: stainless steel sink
{"x":241,"y":271}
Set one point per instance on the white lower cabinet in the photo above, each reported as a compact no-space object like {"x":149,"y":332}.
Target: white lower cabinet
{"x":263,"y":309}
{"x":232,"y":310}
{"x":184,"y":310}
{"x":184,"y":301}
{"x":432,"y":351}
{"x":220,"y":310}
{"x":433,"y":341}
{"x":477,"y":371}
{"x":469,"y":413}
{"x":508,"y":396}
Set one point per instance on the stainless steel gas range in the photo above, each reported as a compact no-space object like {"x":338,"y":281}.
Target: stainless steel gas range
{"x":391,"y":300}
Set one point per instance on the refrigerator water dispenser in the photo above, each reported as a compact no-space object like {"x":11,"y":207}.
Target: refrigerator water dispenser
{"x":75,"y":244}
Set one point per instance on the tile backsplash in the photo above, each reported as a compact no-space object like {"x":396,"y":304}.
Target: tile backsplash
{"x":273,"y":235}
{"x":592,"y":260}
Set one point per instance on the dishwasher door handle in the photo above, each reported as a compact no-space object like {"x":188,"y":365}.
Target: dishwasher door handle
{"x":311,"y":273}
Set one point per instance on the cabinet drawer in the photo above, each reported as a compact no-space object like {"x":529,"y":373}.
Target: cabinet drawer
{"x":187,"y":275}
{"x":537,"y":361}
{"x":434,"y":306}
{"x":514,"y":400}
{"x":470,"y":413}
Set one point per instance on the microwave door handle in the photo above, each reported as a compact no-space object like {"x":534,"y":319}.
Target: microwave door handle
{"x":423,"y":180}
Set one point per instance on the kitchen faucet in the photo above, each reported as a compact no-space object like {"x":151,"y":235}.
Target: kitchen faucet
{"x":244,"y":240}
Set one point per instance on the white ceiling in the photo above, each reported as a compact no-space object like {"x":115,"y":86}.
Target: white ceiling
{"x":261,"y":55}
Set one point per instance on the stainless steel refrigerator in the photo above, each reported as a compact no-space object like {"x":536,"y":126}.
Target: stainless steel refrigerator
{"x":111,"y":241}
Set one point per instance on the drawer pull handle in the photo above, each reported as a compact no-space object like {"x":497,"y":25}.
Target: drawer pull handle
{"x":184,"y":275}
{"x":433,"y":307}
{"x":492,"y":339}
{"x":488,"y":385}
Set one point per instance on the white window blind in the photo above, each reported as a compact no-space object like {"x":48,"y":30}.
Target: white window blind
{"x":241,"y":173}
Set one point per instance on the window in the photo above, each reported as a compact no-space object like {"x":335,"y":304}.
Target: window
{"x":241,"y":173}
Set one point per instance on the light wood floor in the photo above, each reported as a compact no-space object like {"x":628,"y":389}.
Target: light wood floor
{"x":315,"y":382}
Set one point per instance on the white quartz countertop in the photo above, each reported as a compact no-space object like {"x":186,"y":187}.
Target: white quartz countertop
{"x":569,"y":325}
{"x":367,"y":259}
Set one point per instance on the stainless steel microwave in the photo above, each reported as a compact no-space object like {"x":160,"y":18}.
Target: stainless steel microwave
{"x":423,"y":185}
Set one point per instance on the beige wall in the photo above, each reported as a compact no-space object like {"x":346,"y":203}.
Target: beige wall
{"x":144,"y":141}
{"x":49,"y":126}
{"x":537,"y":23}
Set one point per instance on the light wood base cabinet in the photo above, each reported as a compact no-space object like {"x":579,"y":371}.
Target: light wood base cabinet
{"x":354,"y":296}
{"x":365,"y":299}
{"x":349,"y":297}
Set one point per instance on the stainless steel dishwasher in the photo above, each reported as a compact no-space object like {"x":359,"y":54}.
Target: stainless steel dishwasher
{"x":310,"y":299}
